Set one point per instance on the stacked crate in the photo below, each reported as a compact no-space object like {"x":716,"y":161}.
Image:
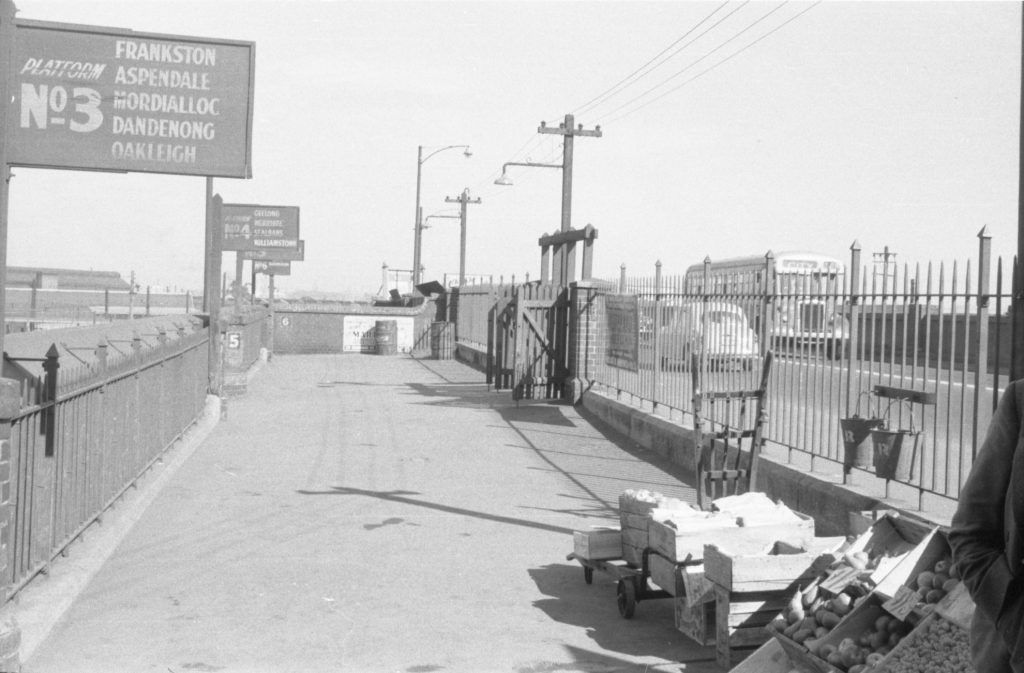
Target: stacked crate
{"x":634,"y":515}
{"x":752,"y":583}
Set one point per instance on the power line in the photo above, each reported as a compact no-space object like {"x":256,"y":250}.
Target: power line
{"x":720,"y":63}
{"x":632,"y":77}
{"x":692,"y":64}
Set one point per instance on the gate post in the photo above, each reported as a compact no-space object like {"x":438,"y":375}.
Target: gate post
{"x":10,"y":632}
{"x":583,"y":338}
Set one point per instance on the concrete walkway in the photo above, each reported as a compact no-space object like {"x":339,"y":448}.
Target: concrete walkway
{"x":361,"y":513}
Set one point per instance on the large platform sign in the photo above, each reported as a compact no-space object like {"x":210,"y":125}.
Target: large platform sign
{"x":296,"y":254}
{"x":252,"y":227}
{"x":106,"y":99}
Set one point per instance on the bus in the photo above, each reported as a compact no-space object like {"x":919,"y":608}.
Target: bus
{"x":807,"y":304}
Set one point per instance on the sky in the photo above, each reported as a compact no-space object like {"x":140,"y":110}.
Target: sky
{"x":727,"y":129}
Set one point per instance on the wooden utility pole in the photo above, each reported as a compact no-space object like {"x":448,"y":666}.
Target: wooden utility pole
{"x":463,"y":200}
{"x":7,"y":11}
{"x":1017,"y":302}
{"x":568,"y":130}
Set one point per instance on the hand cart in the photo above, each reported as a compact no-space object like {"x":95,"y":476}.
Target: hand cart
{"x":632,"y":583}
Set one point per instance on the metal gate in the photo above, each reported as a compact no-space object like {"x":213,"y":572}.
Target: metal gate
{"x":528,"y":345}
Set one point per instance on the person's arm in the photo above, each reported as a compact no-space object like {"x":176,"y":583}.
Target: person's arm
{"x":977,"y":532}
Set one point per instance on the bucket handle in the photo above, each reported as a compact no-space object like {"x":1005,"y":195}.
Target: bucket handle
{"x":870,"y":395}
{"x":888,"y":408}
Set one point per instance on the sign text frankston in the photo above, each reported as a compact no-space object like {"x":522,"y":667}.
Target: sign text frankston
{"x":98,"y":99}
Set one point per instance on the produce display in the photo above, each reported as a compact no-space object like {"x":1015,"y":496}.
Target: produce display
{"x":933,"y":585}
{"x":814,"y":613}
{"x":938,"y":646}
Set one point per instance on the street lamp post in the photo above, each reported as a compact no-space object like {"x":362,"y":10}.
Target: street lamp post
{"x":568,"y":130}
{"x":418,"y":229}
{"x":427,"y":226}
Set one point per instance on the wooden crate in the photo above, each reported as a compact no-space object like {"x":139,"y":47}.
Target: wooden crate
{"x":666,"y":574}
{"x":697,"y":622}
{"x":741,"y":620}
{"x":597,"y":544}
{"x":769,"y":658}
{"x":893,"y":536}
{"x":680,"y":544}
{"x":933,"y":548}
{"x":781,"y":567}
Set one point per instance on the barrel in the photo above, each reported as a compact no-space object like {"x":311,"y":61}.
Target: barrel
{"x":442,"y":344}
{"x":385,"y":336}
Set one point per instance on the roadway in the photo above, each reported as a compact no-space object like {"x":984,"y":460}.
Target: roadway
{"x":365,"y":513}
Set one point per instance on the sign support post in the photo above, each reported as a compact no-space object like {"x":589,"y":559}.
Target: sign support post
{"x":7,"y":11}
{"x":211,"y":289}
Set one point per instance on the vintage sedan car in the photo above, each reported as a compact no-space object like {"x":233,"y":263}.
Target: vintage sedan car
{"x":719,"y":331}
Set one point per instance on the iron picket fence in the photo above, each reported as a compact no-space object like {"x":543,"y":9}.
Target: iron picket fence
{"x":87,"y":431}
{"x":939,"y":331}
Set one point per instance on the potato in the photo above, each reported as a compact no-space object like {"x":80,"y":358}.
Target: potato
{"x":802,"y":635}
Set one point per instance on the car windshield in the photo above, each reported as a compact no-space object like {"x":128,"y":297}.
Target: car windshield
{"x":723,"y":318}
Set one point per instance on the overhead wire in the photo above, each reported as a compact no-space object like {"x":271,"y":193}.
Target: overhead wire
{"x":680,"y":72}
{"x":713,"y":67}
{"x":636,"y":74}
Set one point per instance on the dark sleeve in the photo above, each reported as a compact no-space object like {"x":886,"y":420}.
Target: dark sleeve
{"x":977,"y":534}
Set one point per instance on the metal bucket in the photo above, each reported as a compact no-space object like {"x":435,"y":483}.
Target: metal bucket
{"x":385,"y":336}
{"x":856,"y":433}
{"x":894,"y":453}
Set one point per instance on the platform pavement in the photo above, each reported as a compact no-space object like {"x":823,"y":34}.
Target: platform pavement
{"x":363,"y":513}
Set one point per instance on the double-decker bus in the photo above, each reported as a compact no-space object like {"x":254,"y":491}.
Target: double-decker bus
{"x":807,"y":302}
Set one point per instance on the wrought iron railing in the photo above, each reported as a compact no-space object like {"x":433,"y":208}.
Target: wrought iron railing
{"x":936,"y":329}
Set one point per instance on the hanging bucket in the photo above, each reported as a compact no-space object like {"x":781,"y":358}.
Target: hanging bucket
{"x":856,"y":436}
{"x":895,"y":451}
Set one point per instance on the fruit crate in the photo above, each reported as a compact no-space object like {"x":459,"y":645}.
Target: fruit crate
{"x":769,"y":658}
{"x":741,"y":620}
{"x":890,"y":540}
{"x":776,"y":566}
{"x":930,"y":557}
{"x":679,"y":544}
{"x":943,"y":631}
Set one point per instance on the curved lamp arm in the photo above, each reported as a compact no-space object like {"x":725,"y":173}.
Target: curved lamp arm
{"x":465,"y":148}
{"x":506,"y":180}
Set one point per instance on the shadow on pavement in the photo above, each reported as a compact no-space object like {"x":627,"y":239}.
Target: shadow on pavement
{"x":651,"y":633}
{"x":403,"y":497}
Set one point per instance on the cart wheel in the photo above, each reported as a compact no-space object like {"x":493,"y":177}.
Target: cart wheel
{"x":588,"y":575}
{"x":625,"y":595}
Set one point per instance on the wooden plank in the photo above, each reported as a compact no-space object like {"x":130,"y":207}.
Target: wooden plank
{"x":681,"y":545}
{"x":598,"y":543}
{"x":634,"y":537}
{"x":769,"y":658}
{"x":744,"y":571}
{"x":635,"y":521}
{"x":665,"y":574}
{"x":696,"y":622}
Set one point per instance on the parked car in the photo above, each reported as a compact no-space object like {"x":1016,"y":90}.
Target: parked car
{"x":727,"y":341}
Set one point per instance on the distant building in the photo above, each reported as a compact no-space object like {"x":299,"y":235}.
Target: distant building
{"x":40,"y":298}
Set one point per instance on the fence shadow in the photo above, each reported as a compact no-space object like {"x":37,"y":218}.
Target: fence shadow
{"x":650,"y":633}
